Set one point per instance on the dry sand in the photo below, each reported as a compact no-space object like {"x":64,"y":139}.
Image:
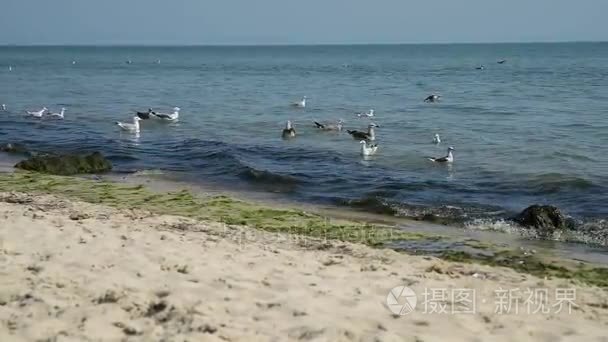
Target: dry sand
{"x":73,"y":271}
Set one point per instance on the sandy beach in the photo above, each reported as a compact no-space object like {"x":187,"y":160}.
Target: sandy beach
{"x":74,"y":271}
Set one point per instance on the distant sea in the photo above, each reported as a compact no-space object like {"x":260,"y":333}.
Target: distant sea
{"x":531,"y":130}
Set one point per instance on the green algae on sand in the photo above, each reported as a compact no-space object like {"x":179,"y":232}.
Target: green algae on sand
{"x":217,"y":208}
{"x":236,"y":212}
{"x":534,"y":265}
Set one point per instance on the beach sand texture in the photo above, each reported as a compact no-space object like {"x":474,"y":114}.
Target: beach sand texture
{"x":74,"y":271}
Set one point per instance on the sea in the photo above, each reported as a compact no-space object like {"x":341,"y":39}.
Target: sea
{"x":533,"y":129}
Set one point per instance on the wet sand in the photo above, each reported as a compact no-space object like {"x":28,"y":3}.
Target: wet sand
{"x":73,"y":271}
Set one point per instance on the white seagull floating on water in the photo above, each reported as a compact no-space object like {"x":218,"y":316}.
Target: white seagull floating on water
{"x":369,"y":114}
{"x":289,"y":131}
{"x":436,"y":139}
{"x":167,"y":117}
{"x":58,"y":115}
{"x":300,"y":104}
{"x":368,"y":150}
{"x":131,"y":127}
{"x":3,"y":107}
{"x":37,"y":114}
{"x":447,"y":159}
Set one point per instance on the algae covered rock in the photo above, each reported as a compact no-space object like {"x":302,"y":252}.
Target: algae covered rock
{"x":543,"y":217}
{"x":66,"y":164}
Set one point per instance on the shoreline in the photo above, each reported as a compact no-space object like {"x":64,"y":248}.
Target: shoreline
{"x":435,"y":218}
{"x":488,"y":229}
{"x":281,"y":219}
{"x":510,"y":235}
{"x":84,"y":271}
{"x":264,"y":198}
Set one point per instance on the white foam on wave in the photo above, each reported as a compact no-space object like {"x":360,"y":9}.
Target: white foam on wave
{"x":580,"y":234}
{"x":151,"y":172}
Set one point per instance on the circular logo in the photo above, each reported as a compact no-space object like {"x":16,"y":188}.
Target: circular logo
{"x":401,"y":300}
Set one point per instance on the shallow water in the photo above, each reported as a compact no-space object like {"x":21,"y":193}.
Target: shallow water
{"x":531,"y":130}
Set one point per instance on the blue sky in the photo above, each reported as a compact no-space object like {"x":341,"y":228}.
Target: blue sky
{"x":299,"y":22}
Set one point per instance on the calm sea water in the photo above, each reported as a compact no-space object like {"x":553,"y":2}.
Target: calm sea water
{"x":532,"y":130}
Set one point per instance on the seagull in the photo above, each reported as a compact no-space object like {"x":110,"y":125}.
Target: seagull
{"x":370,"y":135}
{"x":369,"y":114}
{"x":58,"y":115}
{"x":330,"y":126}
{"x":368,"y":150}
{"x":168,"y":117}
{"x":289,"y":131}
{"x":502,"y":61}
{"x":129,"y":61}
{"x":300,"y":104}
{"x":3,"y":107}
{"x":481,"y":67}
{"x":145,"y":115}
{"x":131,"y":127}
{"x":37,"y":114}
{"x":437,"y":139}
{"x":158,"y":61}
{"x":73,"y":62}
{"x":10,"y":68}
{"x":447,"y":159}
{"x":432,"y":98}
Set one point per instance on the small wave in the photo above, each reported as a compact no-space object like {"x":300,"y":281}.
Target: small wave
{"x":443,"y":214}
{"x":373,"y":204}
{"x":121,"y":157}
{"x":577,"y":125}
{"x":144,"y":173}
{"x":440,"y":215}
{"x":505,"y":226}
{"x":270,"y":181}
{"x":556,"y":182}
{"x":590,"y":232}
{"x":572,"y":156}
{"x":501,"y":112}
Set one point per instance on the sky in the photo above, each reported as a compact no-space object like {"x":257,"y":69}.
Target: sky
{"x":253,"y":22}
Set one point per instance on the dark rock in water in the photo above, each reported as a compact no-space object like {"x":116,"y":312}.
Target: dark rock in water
{"x":543,"y":217}
{"x":13,"y":148}
{"x":69,"y":164}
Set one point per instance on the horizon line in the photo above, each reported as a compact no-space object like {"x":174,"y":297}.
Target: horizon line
{"x":303,"y":44}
